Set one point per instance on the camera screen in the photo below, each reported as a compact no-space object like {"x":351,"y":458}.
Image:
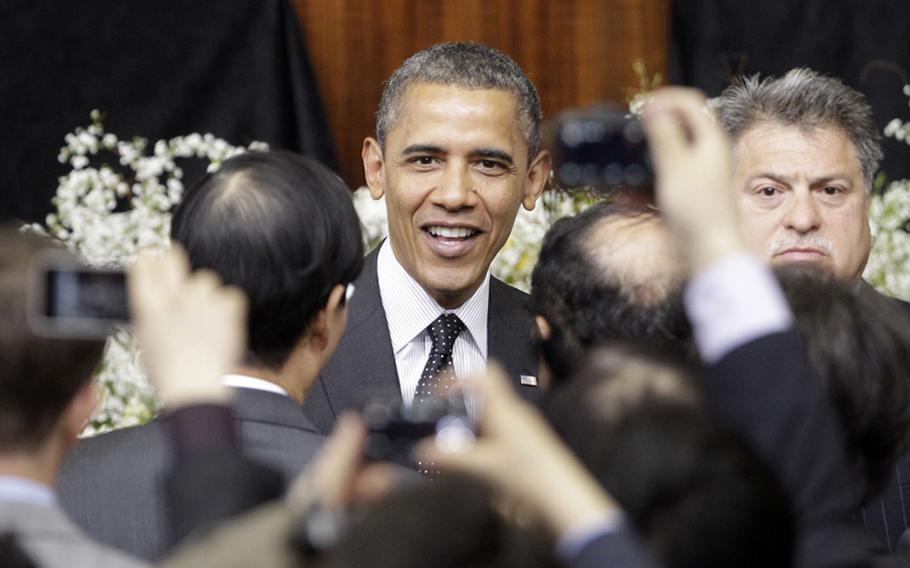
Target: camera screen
{"x":86,"y":295}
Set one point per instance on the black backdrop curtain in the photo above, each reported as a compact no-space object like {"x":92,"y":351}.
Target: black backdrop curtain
{"x":158,"y":69}
{"x":865,"y":43}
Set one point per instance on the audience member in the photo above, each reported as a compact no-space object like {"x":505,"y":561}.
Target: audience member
{"x":46,"y":397}
{"x":806,"y":150}
{"x":281,"y":228}
{"x":456,"y":152}
{"x":608,"y":273}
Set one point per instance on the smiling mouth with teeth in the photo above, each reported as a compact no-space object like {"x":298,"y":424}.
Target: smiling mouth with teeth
{"x":451,"y":232}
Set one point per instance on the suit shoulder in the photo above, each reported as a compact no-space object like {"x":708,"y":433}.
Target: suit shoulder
{"x":503,"y":292}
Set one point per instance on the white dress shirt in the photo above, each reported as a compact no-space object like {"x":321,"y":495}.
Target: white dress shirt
{"x":247,"y":382}
{"x":20,"y":489}
{"x":409,"y":310}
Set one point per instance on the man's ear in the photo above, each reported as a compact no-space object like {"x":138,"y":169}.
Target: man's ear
{"x":78,"y":412}
{"x":373,"y":166}
{"x":543,"y":328}
{"x":328,"y":324}
{"x":538,"y":176}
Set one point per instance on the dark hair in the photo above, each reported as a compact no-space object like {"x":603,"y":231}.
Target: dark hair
{"x":858,"y":343}
{"x":448,"y":523}
{"x":282,"y":228}
{"x":698,"y":495}
{"x":39,"y":376}
{"x":468,"y":65}
{"x":11,"y":553}
{"x":587,"y":301}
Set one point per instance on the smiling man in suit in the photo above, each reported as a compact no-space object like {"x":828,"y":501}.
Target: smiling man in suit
{"x":456,"y":153}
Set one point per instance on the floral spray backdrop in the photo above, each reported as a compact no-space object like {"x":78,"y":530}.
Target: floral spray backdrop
{"x":119,"y":194}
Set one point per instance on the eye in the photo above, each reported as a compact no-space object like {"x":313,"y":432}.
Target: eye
{"x":423,"y":162}
{"x":491,"y":167}
{"x":768,"y":191}
{"x":831,"y":190}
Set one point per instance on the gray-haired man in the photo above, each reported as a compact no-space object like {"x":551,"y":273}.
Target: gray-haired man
{"x":806,"y":149}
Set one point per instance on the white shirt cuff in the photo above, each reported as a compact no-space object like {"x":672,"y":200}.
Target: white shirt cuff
{"x":732,"y":302}
{"x":573,"y":541}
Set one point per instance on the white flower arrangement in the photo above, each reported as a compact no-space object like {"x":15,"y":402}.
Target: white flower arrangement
{"x":889,"y":220}
{"x":116,"y":201}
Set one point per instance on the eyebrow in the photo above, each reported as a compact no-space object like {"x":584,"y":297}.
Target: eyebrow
{"x":493,"y":153}
{"x":783,"y":178}
{"x":422,"y":149}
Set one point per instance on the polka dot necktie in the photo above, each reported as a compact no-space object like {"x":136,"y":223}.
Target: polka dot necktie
{"x":439,"y":373}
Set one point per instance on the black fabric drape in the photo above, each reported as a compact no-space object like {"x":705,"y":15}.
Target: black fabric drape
{"x":865,"y":43}
{"x":158,"y":69}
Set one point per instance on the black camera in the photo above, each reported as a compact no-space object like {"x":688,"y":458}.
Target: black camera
{"x":602,"y":148}
{"x":393,"y":429}
{"x":70,"y":299}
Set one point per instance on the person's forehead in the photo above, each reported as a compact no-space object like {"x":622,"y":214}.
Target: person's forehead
{"x":792,"y":149}
{"x":423,"y":99}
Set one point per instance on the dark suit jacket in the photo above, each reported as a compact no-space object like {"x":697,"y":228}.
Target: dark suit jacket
{"x":765,"y":391}
{"x":363,"y":365}
{"x":113,"y":485}
{"x":888,"y":516}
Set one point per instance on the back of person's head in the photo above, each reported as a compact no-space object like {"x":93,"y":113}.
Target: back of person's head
{"x":609,"y":273}
{"x":807,"y":100}
{"x":39,"y":376}
{"x":698,"y":495}
{"x":282,"y":228}
{"x":450,"y":522}
{"x":858,"y":343}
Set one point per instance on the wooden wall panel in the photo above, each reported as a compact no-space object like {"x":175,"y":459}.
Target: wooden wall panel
{"x":577,"y":52}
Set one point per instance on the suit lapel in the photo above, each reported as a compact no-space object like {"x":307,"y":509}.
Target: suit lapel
{"x":509,"y":336}
{"x":363,"y":365}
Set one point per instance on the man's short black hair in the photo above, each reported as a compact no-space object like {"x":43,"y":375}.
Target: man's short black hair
{"x":858,"y":343}
{"x":587,"y":303}
{"x":282,"y":228}
{"x":446,"y":524}
{"x":39,"y":376}
{"x":697,"y":493}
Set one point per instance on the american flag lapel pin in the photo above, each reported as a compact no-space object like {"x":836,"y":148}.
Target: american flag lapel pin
{"x":528,"y":380}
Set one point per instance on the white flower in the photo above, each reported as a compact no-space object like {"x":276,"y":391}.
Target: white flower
{"x":106,"y":216}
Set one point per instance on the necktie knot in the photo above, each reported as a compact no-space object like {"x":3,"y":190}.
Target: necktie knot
{"x":444,"y":331}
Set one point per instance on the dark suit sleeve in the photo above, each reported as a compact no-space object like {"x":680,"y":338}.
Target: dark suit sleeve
{"x":765,"y":390}
{"x":211,"y":480}
{"x":621,"y":549}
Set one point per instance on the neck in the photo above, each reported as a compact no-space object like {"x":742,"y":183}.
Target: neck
{"x":40,"y":466}
{"x":289,"y":377}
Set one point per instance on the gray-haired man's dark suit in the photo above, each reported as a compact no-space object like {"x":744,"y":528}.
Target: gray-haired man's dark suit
{"x":364,"y":365}
{"x":113,"y":485}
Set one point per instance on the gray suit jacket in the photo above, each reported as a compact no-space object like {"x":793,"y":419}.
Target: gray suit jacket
{"x":112,"y":485}
{"x":51,"y":540}
{"x":363,"y":365}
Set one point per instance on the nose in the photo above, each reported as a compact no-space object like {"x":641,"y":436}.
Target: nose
{"x":455,"y":190}
{"x":803,"y":215}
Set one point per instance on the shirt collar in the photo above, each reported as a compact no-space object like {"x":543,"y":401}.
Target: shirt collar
{"x":247,"y":382}
{"x":13,"y":488}
{"x":401,"y":294}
